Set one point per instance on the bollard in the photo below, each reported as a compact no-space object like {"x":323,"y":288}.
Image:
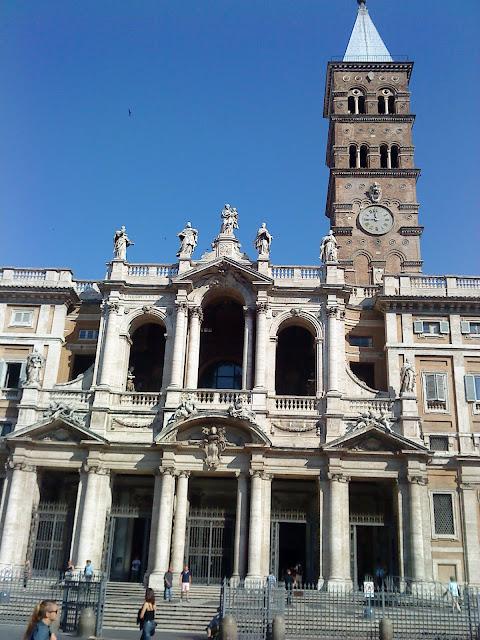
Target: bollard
{"x":228,"y":628}
{"x":86,"y":623}
{"x":278,"y":628}
{"x":386,"y":629}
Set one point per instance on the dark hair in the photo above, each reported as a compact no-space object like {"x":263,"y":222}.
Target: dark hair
{"x":150,"y":596}
{"x":39,"y":612}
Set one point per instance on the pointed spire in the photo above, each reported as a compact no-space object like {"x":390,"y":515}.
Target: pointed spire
{"x":365,"y":44}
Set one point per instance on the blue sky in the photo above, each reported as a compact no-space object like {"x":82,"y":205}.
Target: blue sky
{"x":226,"y":99}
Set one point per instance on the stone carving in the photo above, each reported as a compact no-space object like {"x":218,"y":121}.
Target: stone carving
{"x":188,"y":241}
{"x":35,"y":364}
{"x":109,"y":306}
{"x":120,"y":243}
{"x":130,"y":380}
{"x":375,"y":193}
{"x":59,"y":410}
{"x":239,"y":408}
{"x":214,"y":445}
{"x":407,"y":376}
{"x":229,"y":220}
{"x":329,"y":248}
{"x":369,"y":419}
{"x":263,"y":241}
{"x":185,"y":409}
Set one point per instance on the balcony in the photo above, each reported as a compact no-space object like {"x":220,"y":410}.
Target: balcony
{"x":431,"y":286}
{"x":302,"y":405}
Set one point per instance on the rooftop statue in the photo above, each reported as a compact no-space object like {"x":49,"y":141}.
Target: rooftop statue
{"x":263,"y":241}
{"x":188,"y":241}
{"x":120,"y":243}
{"x":329,"y":248}
{"x":229,"y":220}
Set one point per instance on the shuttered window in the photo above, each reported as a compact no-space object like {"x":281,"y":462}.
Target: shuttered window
{"x":21,"y":318}
{"x":435,"y":391}
{"x":470,"y":328}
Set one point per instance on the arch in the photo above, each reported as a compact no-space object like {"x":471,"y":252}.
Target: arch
{"x":299,"y":317}
{"x":364,"y":156}
{"x":361,"y":265}
{"x":386,"y":98}
{"x":295,"y":369}
{"x":395,"y":156}
{"x":135,"y":318}
{"x":352,"y":154}
{"x":356,"y":101}
{"x":147,"y":357}
{"x":394,"y":262}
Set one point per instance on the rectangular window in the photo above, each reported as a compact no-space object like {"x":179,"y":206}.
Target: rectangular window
{"x":443,"y":518}
{"x":435,"y":389}
{"x":6,"y":428}
{"x":471,"y":328}
{"x":87,"y":334}
{"x":472,"y":390}
{"x":360,"y":341}
{"x":12,"y":376}
{"x":429,"y":328}
{"x":439,"y":443}
{"x":21,"y":318}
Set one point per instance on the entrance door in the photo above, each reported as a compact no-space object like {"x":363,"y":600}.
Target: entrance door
{"x":50,"y":538}
{"x":372,"y":549}
{"x":126,"y":539}
{"x":209,"y":550}
{"x":290,"y":544}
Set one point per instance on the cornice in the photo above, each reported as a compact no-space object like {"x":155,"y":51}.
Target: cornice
{"x":29,"y":294}
{"x":426,"y":303}
{"x":373,"y":117}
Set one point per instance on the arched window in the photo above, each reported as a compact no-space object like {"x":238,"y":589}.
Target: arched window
{"x":146,"y":358}
{"x":295,"y":367}
{"x":353,"y":156}
{"x":389,"y":156}
{"x":386,"y":102}
{"x":383,"y":156}
{"x":364,"y":156}
{"x":222,"y":375}
{"x":394,"y":156}
{"x":356,"y":101}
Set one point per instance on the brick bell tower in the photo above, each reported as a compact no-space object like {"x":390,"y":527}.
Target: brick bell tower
{"x":372,"y":201}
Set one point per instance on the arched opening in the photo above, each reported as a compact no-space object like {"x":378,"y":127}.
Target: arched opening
{"x":147,"y":355}
{"x":353,"y":156}
{"x":383,"y":156}
{"x":364,"y":156}
{"x":361,"y":104}
{"x":394,"y":156}
{"x":381,"y":105}
{"x":393,"y":264}
{"x":351,"y":104}
{"x":356,"y":102}
{"x":391,"y":104}
{"x":295,"y":369}
{"x":221,"y":345}
{"x":361,"y":267}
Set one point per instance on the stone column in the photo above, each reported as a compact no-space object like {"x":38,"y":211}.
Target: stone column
{"x":18,"y":515}
{"x":157,"y":491}
{"x":471,"y":527}
{"x":255,"y":529}
{"x":196,"y":317}
{"x":323,"y":502}
{"x":110,"y":309}
{"x":180,"y":523}
{"x":333,"y":363}
{"x":267,"y":507}
{"x":319,"y":385}
{"x":261,"y":345}
{"x":241,"y":529}
{"x":179,"y":346}
{"x":339,"y":531}
{"x":93,"y":514}
{"x":164,"y":528}
{"x":417,"y":555}
{"x":247,"y":363}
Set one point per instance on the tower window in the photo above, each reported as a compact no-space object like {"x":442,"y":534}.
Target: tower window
{"x":364,"y":156}
{"x":391,"y":104}
{"x":356,"y":102}
{"x":381,"y":105}
{"x":386,"y":102}
{"x":353,"y":156}
{"x":383,"y":156}
{"x":394,"y":156}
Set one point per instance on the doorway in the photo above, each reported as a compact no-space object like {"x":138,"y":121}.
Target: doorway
{"x":127,"y":540}
{"x":292,"y":544}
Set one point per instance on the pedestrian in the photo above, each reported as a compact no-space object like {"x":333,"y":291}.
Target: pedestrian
{"x":271,"y":580}
{"x":27,"y":573}
{"x":147,"y":615}
{"x":454,"y":590}
{"x":135,"y":572}
{"x":43,"y":615}
{"x":186,"y":581}
{"x":213,"y":626}
{"x":68,"y":573}
{"x":298,"y":575}
{"x":289,"y":584}
{"x":88,"y":572}
{"x":167,"y":584}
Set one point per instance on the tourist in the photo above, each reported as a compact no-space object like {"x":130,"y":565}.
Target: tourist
{"x":213,"y":626}
{"x":68,"y":573}
{"x":298,"y":575}
{"x":186,"y":581}
{"x":271,"y":580}
{"x":43,"y":615}
{"x":147,"y":615}
{"x":27,"y":573}
{"x":88,"y":572}
{"x":167,"y":584}
{"x":135,"y":573}
{"x":454,"y":590}
{"x":289,"y":584}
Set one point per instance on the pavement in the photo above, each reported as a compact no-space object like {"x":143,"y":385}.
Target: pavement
{"x":15,"y":632}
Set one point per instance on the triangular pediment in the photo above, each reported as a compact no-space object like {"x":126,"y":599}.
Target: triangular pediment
{"x":376,"y":439}
{"x":220,"y":268}
{"x":55,"y":430}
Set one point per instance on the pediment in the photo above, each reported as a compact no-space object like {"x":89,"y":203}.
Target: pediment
{"x":219,"y":268}
{"x":55,"y":430}
{"x":376,"y":439}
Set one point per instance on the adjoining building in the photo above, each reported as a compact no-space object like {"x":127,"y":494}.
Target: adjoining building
{"x":244,"y":417}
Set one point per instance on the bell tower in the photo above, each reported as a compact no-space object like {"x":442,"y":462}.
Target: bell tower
{"x":371,"y":202}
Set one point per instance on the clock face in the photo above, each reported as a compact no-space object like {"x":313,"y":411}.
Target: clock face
{"x":376,"y":220}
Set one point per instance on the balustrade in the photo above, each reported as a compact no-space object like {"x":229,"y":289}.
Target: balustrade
{"x":152,"y":270}
{"x":298,"y":274}
{"x":139,"y":399}
{"x":362,"y":405}
{"x":296,"y":403}
{"x":218,"y":397}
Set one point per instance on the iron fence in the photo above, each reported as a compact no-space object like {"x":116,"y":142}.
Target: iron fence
{"x":420,"y":611}
{"x":18,"y":597}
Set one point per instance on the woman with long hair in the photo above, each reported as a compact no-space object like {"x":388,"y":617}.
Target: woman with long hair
{"x":147,"y":615}
{"x":39,"y":626}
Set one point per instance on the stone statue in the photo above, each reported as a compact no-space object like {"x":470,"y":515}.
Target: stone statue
{"x":35,"y":364}
{"x":375,"y":192}
{"x":369,"y":419}
{"x":130,"y":380}
{"x":407,"y":376}
{"x":214,"y":445}
{"x":239,"y":408}
{"x":185,"y":408}
{"x":329,"y":248}
{"x":120,"y":243}
{"x":263,"y":241}
{"x":229,"y":220}
{"x":188,"y":239}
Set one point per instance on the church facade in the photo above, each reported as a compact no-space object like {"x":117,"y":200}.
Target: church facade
{"x":243,"y":417}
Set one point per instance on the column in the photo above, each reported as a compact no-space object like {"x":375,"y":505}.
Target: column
{"x":179,"y":346}
{"x":319,"y":388}
{"x":339,"y":531}
{"x":180,"y":523}
{"x":110,"y":309}
{"x":255,"y":529}
{"x":332,"y":348}
{"x":241,"y":529}
{"x":247,"y":348}
{"x":196,"y":318}
{"x":157,"y":490}
{"x":471,"y":526}
{"x":267,"y":507}
{"x":261,"y":345}
{"x":322,"y":528}
{"x":18,"y":514}
{"x":417,"y":556}
{"x":96,"y":500}
{"x":164,"y":528}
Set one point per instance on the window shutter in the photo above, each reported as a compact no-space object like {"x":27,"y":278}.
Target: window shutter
{"x":465,"y":326}
{"x":444,"y":326}
{"x":430,"y":386}
{"x":3,"y":370}
{"x":470,"y":395}
{"x":418,"y":326}
{"x":441,"y":390}
{"x":23,"y":374}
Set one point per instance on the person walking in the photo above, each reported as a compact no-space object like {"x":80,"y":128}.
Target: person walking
{"x":167,"y":584}
{"x":185,"y":581}
{"x":454,"y":590}
{"x":27,"y":573}
{"x":43,"y":615}
{"x":135,"y":571}
{"x":147,"y":615}
{"x":88,"y":572}
{"x":289,"y":584}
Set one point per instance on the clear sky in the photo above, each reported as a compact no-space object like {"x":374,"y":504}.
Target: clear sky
{"x":226,"y":99}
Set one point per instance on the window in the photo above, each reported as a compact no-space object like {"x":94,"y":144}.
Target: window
{"x":472,"y":390}
{"x":21,"y":318}
{"x":443,"y":515}
{"x":353,"y":156}
{"x":435,"y":390}
{"x":6,"y":428}
{"x":12,"y":376}
{"x":360,"y":341}
{"x":431,"y":328}
{"x":394,"y":153}
{"x":356,"y":102}
{"x":386,"y":102}
{"x":363,"y":156}
{"x":225,"y":375}
{"x":439,"y":443}
{"x":470,"y":327}
{"x":87,"y":334}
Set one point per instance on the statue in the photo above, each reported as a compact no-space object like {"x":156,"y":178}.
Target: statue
{"x":188,"y":239}
{"x":375,"y":193}
{"x":239,"y":408}
{"x":185,"y":408}
{"x":263,"y":241}
{"x":407,"y":376}
{"x":214,"y":445}
{"x":130,"y":380}
{"x":329,"y":248}
{"x":120,"y":243}
{"x":229,"y":220}
{"x":35,"y":364}
{"x":369,"y":419}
